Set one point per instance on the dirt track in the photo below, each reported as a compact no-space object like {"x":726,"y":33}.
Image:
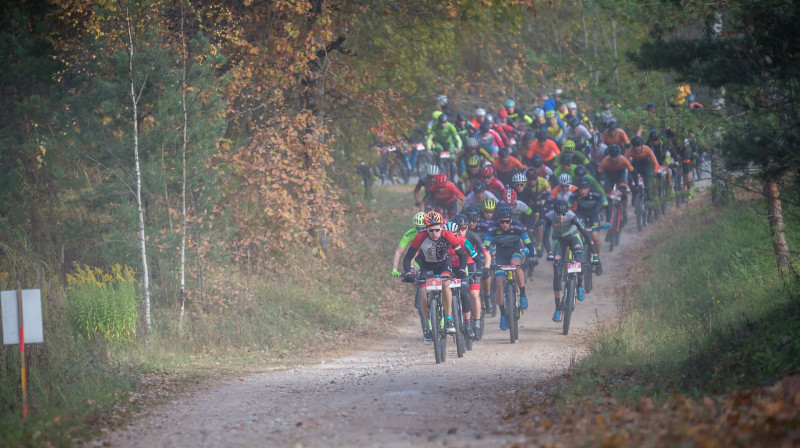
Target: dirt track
{"x":392,"y":394}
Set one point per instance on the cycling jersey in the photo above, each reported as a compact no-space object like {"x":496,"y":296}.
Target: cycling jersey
{"x":408,"y":237}
{"x":433,"y":252}
{"x":547,"y":150}
{"x":616,"y":137}
{"x":614,"y":164}
{"x":587,"y":204}
{"x":641,"y":160}
{"x":571,"y":225}
{"x":494,"y":185}
{"x":514,"y":237}
{"x":560,"y":192}
{"x":532,"y":195}
{"x":447,"y":194}
{"x":443,"y":135}
{"x":473,"y":200}
{"x":485,"y":224}
{"x":557,"y":130}
{"x":579,"y":134}
{"x":504,"y":171}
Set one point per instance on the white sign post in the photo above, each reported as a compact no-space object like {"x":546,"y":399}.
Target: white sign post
{"x":22,"y":318}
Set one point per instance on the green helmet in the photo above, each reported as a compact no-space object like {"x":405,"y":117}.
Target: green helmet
{"x":419,"y":219}
{"x":436,"y":114}
{"x":474,"y":160}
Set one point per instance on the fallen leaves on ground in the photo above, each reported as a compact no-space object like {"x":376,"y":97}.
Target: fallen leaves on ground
{"x":768,"y":416}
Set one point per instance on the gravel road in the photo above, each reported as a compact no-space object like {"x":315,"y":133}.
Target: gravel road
{"x":392,"y":394}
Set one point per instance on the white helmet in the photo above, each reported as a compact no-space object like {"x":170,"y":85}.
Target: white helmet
{"x":564,"y":179}
{"x":539,"y":112}
{"x":433,"y":170}
{"x":571,"y":105}
{"x":489,"y":118}
{"x":556,"y":92}
{"x":441,"y":100}
{"x":480,"y":112}
{"x":519,"y":178}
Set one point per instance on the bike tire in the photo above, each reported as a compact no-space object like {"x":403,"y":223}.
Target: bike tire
{"x":484,"y":309}
{"x":641,"y":214}
{"x":436,"y":329}
{"x":569,"y":303}
{"x":613,"y":229}
{"x":587,"y":276}
{"x":492,"y":298}
{"x":458,"y":316}
{"x":422,"y":318}
{"x":511,"y":310}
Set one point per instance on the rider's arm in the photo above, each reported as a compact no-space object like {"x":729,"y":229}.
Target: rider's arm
{"x":456,"y":137}
{"x":594,"y":183}
{"x":412,"y":250}
{"x":462,"y":255}
{"x":548,"y":227}
{"x":587,"y":236}
{"x":653,"y":159}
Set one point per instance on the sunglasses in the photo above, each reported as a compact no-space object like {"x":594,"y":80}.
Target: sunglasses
{"x":434,"y":230}
{"x":561,"y":214}
{"x":421,"y":229}
{"x":504,"y":221}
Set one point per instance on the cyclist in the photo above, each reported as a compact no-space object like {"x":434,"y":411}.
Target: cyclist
{"x":615,"y":169}
{"x":471,"y":148}
{"x":615,"y":136}
{"x":564,"y":189}
{"x":539,"y":120}
{"x":542,"y":170}
{"x":433,"y":246}
{"x":586,"y":202}
{"x":519,"y":209}
{"x":576,"y":157}
{"x":487,"y":219}
{"x":473,"y":172}
{"x":443,"y":138}
{"x":492,"y":184}
{"x":441,"y":105}
{"x":581,"y":171}
{"x":425,"y":181}
{"x":506,"y":240}
{"x":419,"y":226}
{"x":513,"y":114}
{"x":506,"y":166}
{"x":575,"y":113}
{"x":474,"y":233}
{"x":565,"y":227}
{"x":480,"y":115}
{"x":478,"y":195}
{"x":555,"y":127}
{"x":644,"y":162}
{"x":483,"y":262}
{"x":579,"y":134}
{"x":463,"y":292}
{"x":544,"y":147}
{"x":446,"y":196}
{"x":488,"y":138}
{"x":464,"y":127}
{"x":534,"y":194}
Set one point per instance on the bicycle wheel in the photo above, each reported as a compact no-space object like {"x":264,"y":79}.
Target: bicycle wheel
{"x":510,"y":298}
{"x":569,"y":304}
{"x":618,"y":227}
{"x":434,"y":309}
{"x":492,"y":299}
{"x":587,"y":274}
{"x":484,"y":308}
{"x":458,"y":316}
{"x":612,"y":240}
{"x":638,"y":208}
{"x":422,"y":318}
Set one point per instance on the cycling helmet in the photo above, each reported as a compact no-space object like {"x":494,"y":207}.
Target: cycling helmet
{"x":489,"y":204}
{"x":461,"y":220}
{"x":571,"y":105}
{"x":509,"y":103}
{"x":480,"y":112}
{"x":614,"y":151}
{"x":541,"y":134}
{"x":474,"y":161}
{"x":569,"y":145}
{"x":519,"y":178}
{"x":502,"y":113}
{"x":485,"y":126}
{"x":441,"y":100}
{"x":650,"y":106}
{"x":503,"y":211}
{"x":479,"y":187}
{"x":637,"y":140}
{"x":564,"y":179}
{"x":433,"y":170}
{"x":539,"y":112}
{"x":580,"y":171}
{"x":460,"y":116}
{"x":436,"y":114}
{"x":451,"y":227}
{"x":556,"y":92}
{"x":473,"y":213}
{"x":510,"y":196}
{"x":504,"y":152}
{"x":561,"y":207}
{"x":566,"y":159}
{"x":490,"y":118}
{"x":691,"y":97}
{"x":550,"y":114}
{"x":442,"y":118}
{"x":440,"y":180}
{"x":419,"y":219}
{"x":488,"y":171}
{"x":612,"y":124}
{"x":537,"y":161}
{"x":574,"y":122}
{"x":582,"y":182}
{"x":432,"y":218}
{"x":531,"y":173}
{"x":472,"y":142}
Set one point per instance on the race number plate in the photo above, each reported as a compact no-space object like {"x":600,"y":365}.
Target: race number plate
{"x":508,"y":268}
{"x":574,"y":266}
{"x":455,"y":283}
{"x":513,"y":142}
{"x":444,"y":155}
{"x":433,"y":284}
{"x":616,"y":195}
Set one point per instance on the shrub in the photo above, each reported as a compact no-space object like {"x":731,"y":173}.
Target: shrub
{"x":101,"y":304}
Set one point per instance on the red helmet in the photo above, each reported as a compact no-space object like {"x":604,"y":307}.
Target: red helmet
{"x":440,"y":180}
{"x":502,"y":113}
{"x":487,"y":171}
{"x":433,"y":218}
{"x":510,"y":196}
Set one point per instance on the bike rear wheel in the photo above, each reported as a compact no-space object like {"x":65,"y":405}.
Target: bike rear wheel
{"x":587,"y":275}
{"x":641,"y":213}
{"x":568,"y":305}
{"x":458,"y":316}
{"x":510,"y":298}
{"x":612,"y":239}
{"x":439,"y":339}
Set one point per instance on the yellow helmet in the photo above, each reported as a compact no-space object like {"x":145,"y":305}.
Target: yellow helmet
{"x":436,"y":114}
{"x":569,"y":144}
{"x":419,"y":219}
{"x":489,"y":204}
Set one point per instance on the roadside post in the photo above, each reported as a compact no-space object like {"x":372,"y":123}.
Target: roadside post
{"x":22,"y":322}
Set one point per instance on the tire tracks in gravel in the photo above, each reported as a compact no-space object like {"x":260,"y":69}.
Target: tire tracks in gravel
{"x":393,"y":393}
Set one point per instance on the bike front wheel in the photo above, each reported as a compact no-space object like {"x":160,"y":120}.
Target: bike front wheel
{"x":568,"y":305}
{"x":510,"y":297}
{"x":437,"y":332}
{"x":458,"y":316}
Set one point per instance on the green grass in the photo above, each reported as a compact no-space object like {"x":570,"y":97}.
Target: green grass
{"x":709,"y":313}
{"x":296,"y":309}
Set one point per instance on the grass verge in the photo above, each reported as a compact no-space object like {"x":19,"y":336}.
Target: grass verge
{"x":299,"y":309}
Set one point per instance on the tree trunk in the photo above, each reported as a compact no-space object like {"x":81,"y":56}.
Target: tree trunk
{"x":779,"y":244}
{"x":183,"y":183}
{"x":137,"y":169}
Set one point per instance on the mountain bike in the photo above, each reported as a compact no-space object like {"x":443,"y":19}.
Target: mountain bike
{"x":639,"y":200}
{"x":511,"y":299}
{"x":436,"y":315}
{"x":573,"y":268}
{"x":661,"y":191}
{"x":615,"y":207}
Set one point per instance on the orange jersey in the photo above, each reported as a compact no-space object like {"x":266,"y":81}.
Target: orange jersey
{"x":547,"y":151}
{"x":646,"y":153}
{"x":513,"y":164}
{"x":617,"y":137}
{"x":614,"y":164}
